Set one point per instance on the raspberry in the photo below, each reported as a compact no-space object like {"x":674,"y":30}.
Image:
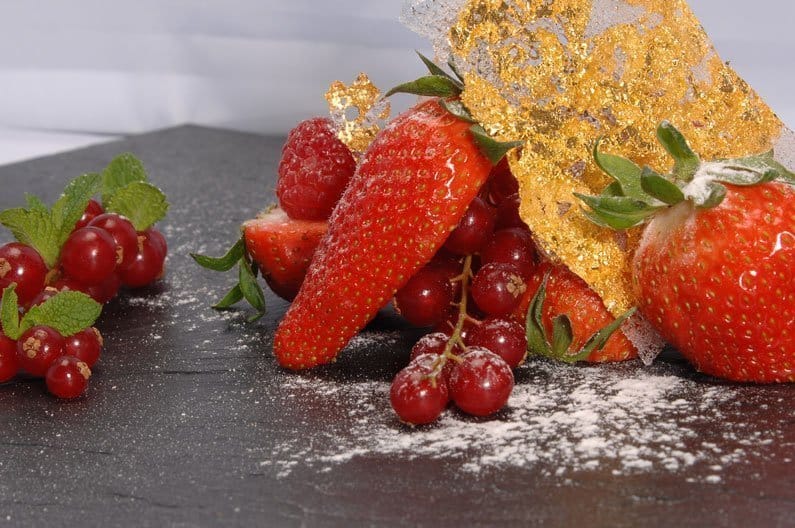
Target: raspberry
{"x":314,"y":170}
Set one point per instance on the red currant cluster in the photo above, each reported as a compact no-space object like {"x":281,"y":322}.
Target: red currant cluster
{"x":470,"y":292}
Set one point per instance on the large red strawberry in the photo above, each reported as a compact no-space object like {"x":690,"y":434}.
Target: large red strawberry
{"x":412,"y":186}
{"x":282,"y":248}
{"x":713,"y":272}
{"x":568,"y":295}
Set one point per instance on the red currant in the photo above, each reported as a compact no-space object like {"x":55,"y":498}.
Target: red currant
{"x":425,"y":299}
{"x":434,"y":343}
{"x":67,"y":377}
{"x":504,"y":337}
{"x":511,"y":246}
{"x":89,"y":255}
{"x":24,"y":266}
{"x":157,"y":239}
{"x":498,"y":288}
{"x":473,"y":230}
{"x":48,"y":292}
{"x":481,"y":383}
{"x":416,"y":395}
{"x":85,"y":345}
{"x":93,"y":209}
{"x":147,"y":265}
{"x":9,"y":365}
{"x":37,"y":348}
{"x":123,"y":234}
{"x":501,"y":182}
{"x":508,"y":213}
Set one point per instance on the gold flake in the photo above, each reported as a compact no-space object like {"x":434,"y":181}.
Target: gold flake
{"x":559,"y":74}
{"x":358,"y":111}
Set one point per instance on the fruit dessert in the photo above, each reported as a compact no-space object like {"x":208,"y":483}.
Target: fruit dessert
{"x":67,"y":261}
{"x":525,"y":208}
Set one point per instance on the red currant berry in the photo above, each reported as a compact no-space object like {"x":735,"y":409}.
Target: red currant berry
{"x":433,"y":343}
{"x":93,"y":209}
{"x":498,"y":289}
{"x":508,"y":213}
{"x":417,"y":396}
{"x":157,"y":239}
{"x":504,"y":337}
{"x":89,"y":255}
{"x":147,"y":266}
{"x":511,"y":246}
{"x":9,"y":365}
{"x":48,"y":292}
{"x":123,"y":234}
{"x":425,"y":299}
{"x":314,"y":170}
{"x":37,"y":348}
{"x":447,"y":326}
{"x":481,"y":383}
{"x":67,"y":377}
{"x":85,"y":345}
{"x":501,"y":183}
{"x":473,"y":230}
{"x":24,"y":266}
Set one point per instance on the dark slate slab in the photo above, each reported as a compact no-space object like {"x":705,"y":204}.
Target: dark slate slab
{"x":189,"y":422}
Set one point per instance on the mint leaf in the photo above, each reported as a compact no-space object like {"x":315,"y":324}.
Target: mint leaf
{"x":9,"y":313}
{"x":68,"y":312}
{"x":66,"y":212}
{"x":35,"y":228}
{"x":142,"y":203}
{"x":35,"y":203}
{"x":123,"y":170}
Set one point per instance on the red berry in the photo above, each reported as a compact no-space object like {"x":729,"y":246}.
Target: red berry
{"x":502,"y":183}
{"x":85,"y":345}
{"x":498,"y":288}
{"x":511,"y":246}
{"x":314,"y":170}
{"x":157,"y":239}
{"x":504,"y":337}
{"x":24,"y":266}
{"x":147,"y":266}
{"x":67,"y":377}
{"x":9,"y":365}
{"x":425,"y":299}
{"x":89,"y":255}
{"x":473,"y":230}
{"x":433,"y":343}
{"x":508,"y":213}
{"x":123,"y":234}
{"x":46,"y":293}
{"x":37,"y":348}
{"x":93,"y":209}
{"x":417,"y":396}
{"x":481,"y":384}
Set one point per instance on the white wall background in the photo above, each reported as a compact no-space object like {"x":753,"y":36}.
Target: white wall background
{"x":74,"y":72}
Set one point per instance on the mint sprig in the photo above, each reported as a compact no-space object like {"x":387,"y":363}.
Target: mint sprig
{"x":68,"y":312}
{"x":142,"y":203}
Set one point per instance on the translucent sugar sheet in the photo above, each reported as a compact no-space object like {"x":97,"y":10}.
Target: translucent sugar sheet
{"x":559,"y":74}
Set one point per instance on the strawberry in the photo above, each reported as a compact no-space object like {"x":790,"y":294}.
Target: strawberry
{"x":564,"y":294}
{"x":282,"y":248}
{"x":411,"y":188}
{"x":713,"y":269}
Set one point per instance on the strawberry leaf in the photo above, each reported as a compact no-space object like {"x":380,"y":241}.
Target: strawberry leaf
{"x":35,"y":228}
{"x":120,"y":172}
{"x":457,"y":108}
{"x":142,"y":203}
{"x":9,"y":313}
{"x":224,"y":263}
{"x":251,"y":290}
{"x":562,"y":336}
{"x":617,"y":212}
{"x":625,"y":172}
{"x":686,"y":162}
{"x":537,"y":341}
{"x":429,"y":86}
{"x":491,"y":148}
{"x":67,"y":311}
{"x":455,"y":70}
{"x":234,"y":296}
{"x":716,"y":193}
{"x":599,"y":339}
{"x":434,"y":69}
{"x":660,"y":188}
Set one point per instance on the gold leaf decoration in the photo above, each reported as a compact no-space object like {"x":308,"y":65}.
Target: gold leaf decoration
{"x":358,"y":111}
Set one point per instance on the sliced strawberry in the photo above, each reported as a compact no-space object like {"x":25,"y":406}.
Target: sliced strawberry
{"x":409,"y":192}
{"x":569,"y":295}
{"x":282,"y":248}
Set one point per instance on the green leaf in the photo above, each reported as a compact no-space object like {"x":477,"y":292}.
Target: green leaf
{"x":234,"y":296}
{"x":120,"y":172}
{"x":614,"y":189}
{"x":623,"y":171}
{"x":434,"y":69}
{"x":67,"y":311}
{"x":66,"y":212}
{"x":562,"y":336}
{"x":430,"y":86}
{"x":491,"y":148}
{"x":35,"y":203}
{"x":455,"y":70}
{"x":251,"y":289}
{"x":537,"y":341}
{"x":457,"y":108}
{"x":660,"y":188}
{"x":34,"y":228}
{"x":224,"y":263}
{"x":598,"y":340}
{"x":617,"y":212}
{"x":686,"y":161}
{"x":9,"y":313}
{"x":716,"y":193}
{"x":612,"y":221}
{"x":142,"y":203}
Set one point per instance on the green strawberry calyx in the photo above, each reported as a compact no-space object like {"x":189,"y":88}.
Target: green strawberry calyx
{"x":449,"y":87}
{"x":637,"y":194}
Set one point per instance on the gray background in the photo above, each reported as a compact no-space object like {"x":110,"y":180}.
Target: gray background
{"x":73,"y":73}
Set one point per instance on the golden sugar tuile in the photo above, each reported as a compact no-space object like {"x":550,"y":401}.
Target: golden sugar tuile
{"x":559,"y":74}
{"x":358,"y":111}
